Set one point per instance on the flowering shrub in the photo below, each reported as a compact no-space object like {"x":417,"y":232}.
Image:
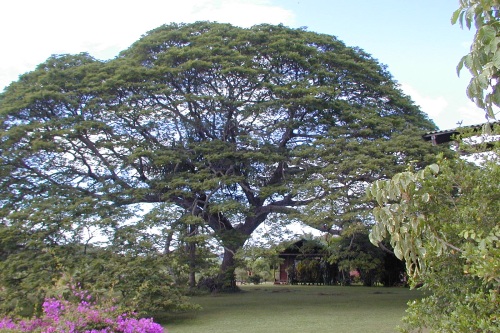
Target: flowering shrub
{"x":82,"y":316}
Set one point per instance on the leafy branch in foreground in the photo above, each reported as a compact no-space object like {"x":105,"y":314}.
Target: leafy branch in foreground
{"x":443,"y":221}
{"x":483,"y":60}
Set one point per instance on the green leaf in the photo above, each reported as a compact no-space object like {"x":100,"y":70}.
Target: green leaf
{"x":434,"y":168}
{"x":495,"y":97}
{"x":486,"y":129}
{"x":455,"y":16}
{"x":469,"y":15}
{"x":482,"y":81}
{"x":496,"y":52}
{"x":405,"y":180}
{"x":487,"y":33}
{"x":460,"y":66}
{"x":468,"y":61}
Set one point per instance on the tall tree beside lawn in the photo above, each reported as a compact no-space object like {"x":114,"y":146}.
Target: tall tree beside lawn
{"x":231,"y":125}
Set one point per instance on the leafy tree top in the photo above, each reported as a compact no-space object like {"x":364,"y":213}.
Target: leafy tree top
{"x":230,"y":124}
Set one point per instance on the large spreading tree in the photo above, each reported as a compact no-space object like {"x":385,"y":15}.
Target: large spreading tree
{"x":232,"y":126}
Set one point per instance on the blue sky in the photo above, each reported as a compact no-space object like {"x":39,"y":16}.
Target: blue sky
{"x":415,"y":39}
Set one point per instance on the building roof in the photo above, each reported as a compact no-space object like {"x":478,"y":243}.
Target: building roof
{"x":443,"y":136}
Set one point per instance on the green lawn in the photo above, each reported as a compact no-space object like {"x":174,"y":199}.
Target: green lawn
{"x":290,"y":309}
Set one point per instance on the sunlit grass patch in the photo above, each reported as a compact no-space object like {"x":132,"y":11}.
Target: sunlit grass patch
{"x":270,"y":308}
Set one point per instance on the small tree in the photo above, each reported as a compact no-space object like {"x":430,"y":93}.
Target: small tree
{"x":353,"y":251}
{"x":255,"y":260}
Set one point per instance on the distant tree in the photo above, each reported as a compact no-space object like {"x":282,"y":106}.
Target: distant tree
{"x":230,"y":125}
{"x":308,"y":271}
{"x":258,"y":260}
{"x":483,"y":60}
{"x":353,"y":251}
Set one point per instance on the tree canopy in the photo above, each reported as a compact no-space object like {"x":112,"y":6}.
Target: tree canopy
{"x":232,"y":126}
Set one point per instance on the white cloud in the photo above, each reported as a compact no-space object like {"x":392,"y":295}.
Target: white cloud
{"x":243,"y":13}
{"x":433,"y":106}
{"x":470,"y":114}
{"x":32,"y":30}
{"x":447,"y":112}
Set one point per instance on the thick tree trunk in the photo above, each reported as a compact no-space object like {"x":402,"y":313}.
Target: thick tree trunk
{"x":192,"y":265}
{"x":227,"y":277}
{"x":233,"y":239}
{"x":191,"y":246}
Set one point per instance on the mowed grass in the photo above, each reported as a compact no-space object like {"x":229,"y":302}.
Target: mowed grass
{"x":290,"y":309}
